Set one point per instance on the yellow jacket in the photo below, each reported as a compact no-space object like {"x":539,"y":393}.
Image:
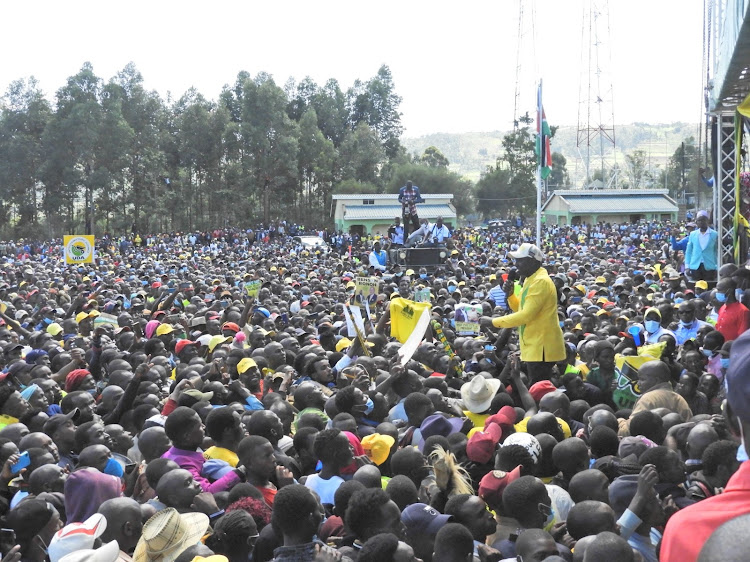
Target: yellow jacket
{"x":538,"y":327}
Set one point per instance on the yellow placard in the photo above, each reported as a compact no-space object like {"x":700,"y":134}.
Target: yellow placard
{"x":79,"y":248}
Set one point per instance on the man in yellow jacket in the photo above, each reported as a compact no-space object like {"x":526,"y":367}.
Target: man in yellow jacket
{"x":535,"y":314}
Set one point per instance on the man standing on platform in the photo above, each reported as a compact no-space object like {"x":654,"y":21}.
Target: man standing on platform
{"x":702,"y":252}
{"x":535,"y":314}
{"x":409,"y":196}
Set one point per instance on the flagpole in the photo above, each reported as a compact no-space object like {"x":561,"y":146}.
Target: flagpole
{"x":539,"y":173}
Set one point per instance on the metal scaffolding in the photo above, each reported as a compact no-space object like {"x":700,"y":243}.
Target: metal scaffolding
{"x":724,"y":200}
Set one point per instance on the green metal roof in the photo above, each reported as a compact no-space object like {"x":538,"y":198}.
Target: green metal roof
{"x":388,"y":212}
{"x":630,"y":203}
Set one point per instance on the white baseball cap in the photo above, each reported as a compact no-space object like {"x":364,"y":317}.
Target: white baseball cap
{"x":77,"y":536}
{"x":528,"y":251}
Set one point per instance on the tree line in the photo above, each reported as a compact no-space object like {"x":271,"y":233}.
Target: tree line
{"x":119,"y":157}
{"x":115,"y":157}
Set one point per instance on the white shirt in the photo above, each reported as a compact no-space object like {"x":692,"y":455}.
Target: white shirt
{"x":439,"y":233}
{"x":374,"y":260}
{"x":397,"y":237}
{"x":703,"y":239}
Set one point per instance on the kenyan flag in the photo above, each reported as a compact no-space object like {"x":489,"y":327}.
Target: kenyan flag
{"x":543,"y":152}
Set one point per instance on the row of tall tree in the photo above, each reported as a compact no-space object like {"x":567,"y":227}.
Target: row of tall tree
{"x":115,"y":157}
{"x":119,"y":157}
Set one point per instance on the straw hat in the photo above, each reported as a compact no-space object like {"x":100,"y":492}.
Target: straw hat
{"x":167,"y":534}
{"x":478,"y":393}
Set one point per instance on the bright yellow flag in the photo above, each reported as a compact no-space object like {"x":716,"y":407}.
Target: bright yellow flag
{"x":404,"y":317}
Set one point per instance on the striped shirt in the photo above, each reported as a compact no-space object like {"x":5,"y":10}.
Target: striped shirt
{"x":498,"y":295}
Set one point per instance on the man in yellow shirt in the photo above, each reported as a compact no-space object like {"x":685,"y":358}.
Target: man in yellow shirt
{"x":535,"y":314}
{"x":224,"y":426}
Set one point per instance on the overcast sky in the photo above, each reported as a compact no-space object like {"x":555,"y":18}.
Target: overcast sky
{"x":453,"y":63}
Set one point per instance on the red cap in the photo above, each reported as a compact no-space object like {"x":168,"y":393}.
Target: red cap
{"x":74,"y":378}
{"x":182,"y":344}
{"x":230,"y":326}
{"x":481,"y":446}
{"x":505,"y":417}
{"x":541,"y":388}
{"x":155,"y":285}
{"x":492,"y":485}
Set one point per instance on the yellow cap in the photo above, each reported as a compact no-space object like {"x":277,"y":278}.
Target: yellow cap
{"x":600,"y":279}
{"x":54,"y":329}
{"x":217,"y":340}
{"x":409,"y":272}
{"x":246,"y":364}
{"x":164,"y":329}
{"x":343,"y":343}
{"x":81,"y":316}
{"x":351,"y":284}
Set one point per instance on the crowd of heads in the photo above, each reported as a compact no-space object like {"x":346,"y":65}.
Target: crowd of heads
{"x":209,"y":394}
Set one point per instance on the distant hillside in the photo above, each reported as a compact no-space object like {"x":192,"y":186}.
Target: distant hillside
{"x":469,"y":154}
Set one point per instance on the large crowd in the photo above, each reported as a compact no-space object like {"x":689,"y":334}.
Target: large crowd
{"x":226,"y":395}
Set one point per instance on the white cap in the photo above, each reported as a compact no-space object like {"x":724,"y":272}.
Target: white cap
{"x":528,"y":251}
{"x":76,"y":537}
{"x":109,"y":552}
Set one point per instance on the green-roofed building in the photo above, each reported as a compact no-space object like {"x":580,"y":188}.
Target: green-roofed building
{"x":373,"y":213}
{"x":577,"y":206}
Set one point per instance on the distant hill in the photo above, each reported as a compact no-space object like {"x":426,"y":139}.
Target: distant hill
{"x":469,"y":154}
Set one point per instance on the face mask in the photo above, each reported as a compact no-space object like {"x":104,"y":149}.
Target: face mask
{"x":678,"y":300}
{"x":114,"y":468}
{"x":562,"y":324}
{"x":685,"y":324}
{"x":721,"y":297}
{"x":724,"y":362}
{"x":652,"y":326}
{"x":550,"y":521}
{"x":369,"y":406}
{"x":423,"y":275}
{"x":707,"y":352}
{"x":93,"y":391}
{"x":738,"y":293}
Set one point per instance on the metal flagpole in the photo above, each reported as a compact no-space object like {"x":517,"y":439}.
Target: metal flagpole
{"x":539,"y":169}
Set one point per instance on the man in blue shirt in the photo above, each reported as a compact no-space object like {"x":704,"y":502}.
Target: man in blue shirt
{"x":497,"y":294}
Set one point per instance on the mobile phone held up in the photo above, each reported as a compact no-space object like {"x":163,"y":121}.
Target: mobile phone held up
{"x":7,"y":540}
{"x":23,"y":461}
